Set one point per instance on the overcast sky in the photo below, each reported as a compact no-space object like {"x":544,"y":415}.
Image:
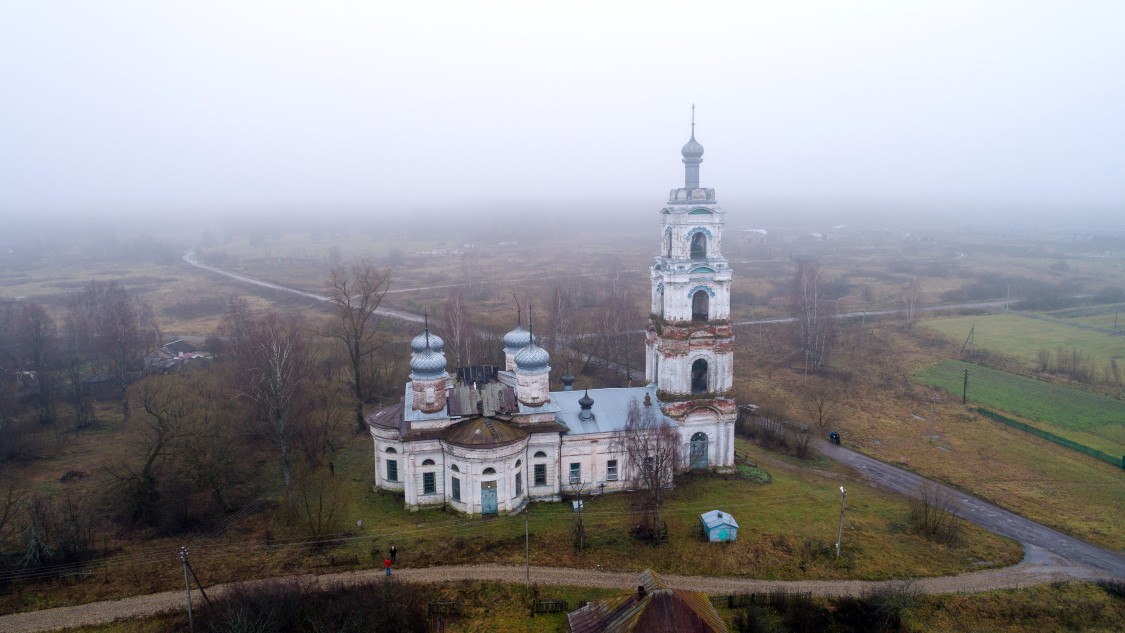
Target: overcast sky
{"x":208,"y":106}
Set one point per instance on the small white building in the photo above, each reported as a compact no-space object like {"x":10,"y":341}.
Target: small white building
{"x":499,"y":438}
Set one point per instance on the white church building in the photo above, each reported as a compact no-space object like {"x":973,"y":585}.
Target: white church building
{"x":490,"y":440}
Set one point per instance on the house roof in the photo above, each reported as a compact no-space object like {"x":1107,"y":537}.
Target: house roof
{"x":180,"y":347}
{"x":610,"y":410}
{"x":717,"y":518}
{"x":659,"y":609}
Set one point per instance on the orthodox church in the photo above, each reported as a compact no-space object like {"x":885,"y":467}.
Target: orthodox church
{"x":489,"y":440}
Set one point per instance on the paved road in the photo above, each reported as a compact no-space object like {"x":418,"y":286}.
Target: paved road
{"x":981,"y":512}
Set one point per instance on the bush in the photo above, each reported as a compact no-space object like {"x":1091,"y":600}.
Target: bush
{"x":934,"y":514}
{"x":296,"y":605}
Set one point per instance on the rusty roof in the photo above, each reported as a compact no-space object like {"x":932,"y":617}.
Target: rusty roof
{"x":387,"y":417}
{"x":658,"y":610}
{"x":482,"y":431}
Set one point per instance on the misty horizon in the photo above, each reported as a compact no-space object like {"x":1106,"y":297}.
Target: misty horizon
{"x":872,"y":113}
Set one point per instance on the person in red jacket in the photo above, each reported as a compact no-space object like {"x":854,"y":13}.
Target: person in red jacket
{"x":387,"y":565}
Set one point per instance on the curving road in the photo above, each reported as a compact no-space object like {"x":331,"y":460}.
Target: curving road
{"x":982,"y":513}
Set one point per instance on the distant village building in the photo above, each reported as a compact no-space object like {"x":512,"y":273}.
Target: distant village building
{"x":652,"y":607}
{"x":489,"y":440}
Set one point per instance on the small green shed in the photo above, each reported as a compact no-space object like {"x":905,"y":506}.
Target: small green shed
{"x":719,"y":526}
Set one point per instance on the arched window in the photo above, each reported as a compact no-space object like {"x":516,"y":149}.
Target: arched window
{"x":488,"y":471}
{"x":454,"y":468}
{"x":391,"y":449}
{"x":699,"y":245}
{"x":519,"y":462}
{"x":700,"y":305}
{"x":699,"y":376}
{"x":427,"y":462}
{"x":540,"y":454}
{"x":697,"y":454}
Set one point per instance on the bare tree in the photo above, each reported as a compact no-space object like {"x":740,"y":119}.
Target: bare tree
{"x":167,"y":407}
{"x":821,"y":404}
{"x":111,"y":330}
{"x":274,"y":366}
{"x":560,"y":315}
{"x":460,"y":336}
{"x":651,"y":447}
{"x":35,"y":341}
{"x":812,"y":312}
{"x":355,"y":292}
{"x":911,"y":294}
{"x":934,"y":512}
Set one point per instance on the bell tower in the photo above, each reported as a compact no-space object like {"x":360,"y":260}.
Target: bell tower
{"x":689,"y":345}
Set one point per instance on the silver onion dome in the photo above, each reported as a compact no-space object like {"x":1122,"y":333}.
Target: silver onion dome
{"x":418,"y":344}
{"x":532,"y":358}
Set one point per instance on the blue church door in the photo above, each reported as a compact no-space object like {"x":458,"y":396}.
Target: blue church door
{"x":488,"y":498}
{"x":697,"y":456}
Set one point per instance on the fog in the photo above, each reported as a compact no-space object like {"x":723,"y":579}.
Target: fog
{"x":822,"y":112}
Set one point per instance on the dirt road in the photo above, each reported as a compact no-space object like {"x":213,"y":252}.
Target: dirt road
{"x":1038,"y":567}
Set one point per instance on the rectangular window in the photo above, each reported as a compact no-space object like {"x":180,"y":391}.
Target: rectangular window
{"x":519,"y":484}
{"x":429,"y":483}
{"x":392,"y":470}
{"x":540,"y":474}
{"x":456,"y":489}
{"x":575,"y":473}
{"x":611,"y":470}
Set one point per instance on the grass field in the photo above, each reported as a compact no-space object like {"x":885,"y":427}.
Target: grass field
{"x":1022,"y":337}
{"x":1091,"y":419}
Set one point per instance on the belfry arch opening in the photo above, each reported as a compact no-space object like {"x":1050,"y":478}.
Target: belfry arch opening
{"x":699,"y":245}
{"x":699,"y":376}
{"x":700,"y":305}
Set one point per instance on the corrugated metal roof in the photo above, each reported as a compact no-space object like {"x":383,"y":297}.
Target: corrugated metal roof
{"x":387,"y":417}
{"x":611,"y":408}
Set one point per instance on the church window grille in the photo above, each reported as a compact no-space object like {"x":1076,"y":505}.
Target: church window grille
{"x":540,"y":474}
{"x":392,"y":470}
{"x":427,"y":462}
{"x":488,"y":471}
{"x":575,"y":473}
{"x":429,"y":483}
{"x":540,"y":454}
{"x":456,"y":482}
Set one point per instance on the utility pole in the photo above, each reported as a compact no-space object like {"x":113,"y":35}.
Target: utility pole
{"x":187,"y":588}
{"x":965,"y":386}
{"x":840,"y":530}
{"x":527,"y":543}
{"x":933,"y":416}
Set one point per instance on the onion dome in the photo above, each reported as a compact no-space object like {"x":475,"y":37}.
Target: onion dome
{"x":587,"y":403}
{"x":692,"y":149}
{"x":427,"y":364}
{"x":418,"y":344}
{"x":532,"y":359}
{"x":517,"y":339}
